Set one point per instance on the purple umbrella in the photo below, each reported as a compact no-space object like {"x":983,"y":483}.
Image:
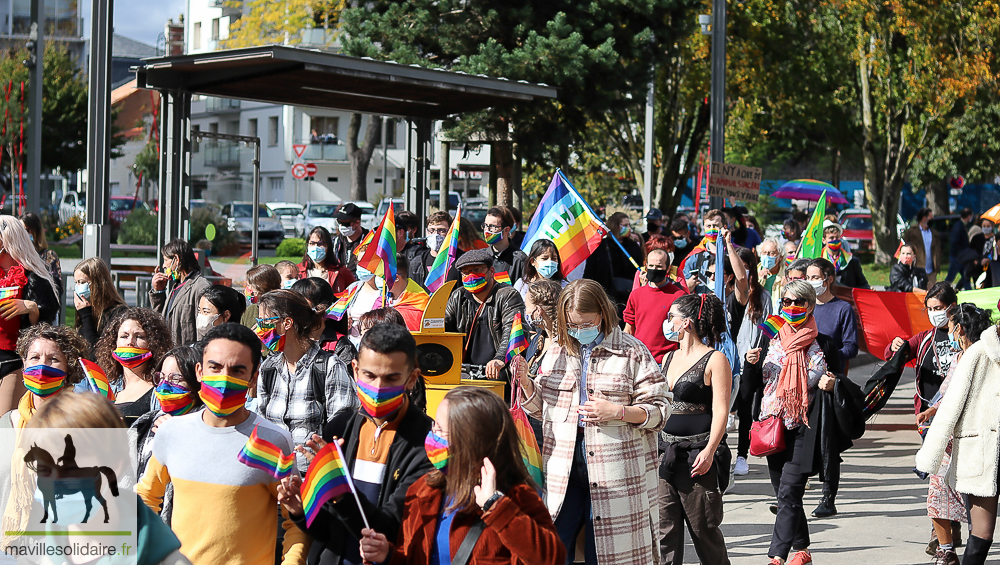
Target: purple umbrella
{"x":809,"y":189}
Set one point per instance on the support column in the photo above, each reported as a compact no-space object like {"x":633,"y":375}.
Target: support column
{"x":97,"y":232}
{"x":445,"y":175}
{"x":647,"y":166}
{"x":518,"y":183}
{"x":33,"y":193}
{"x":421,"y":170}
{"x":175,"y":154}
{"x":718,"y":99}
{"x":493,"y":177}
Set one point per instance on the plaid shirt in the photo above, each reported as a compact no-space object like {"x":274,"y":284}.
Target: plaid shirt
{"x":292,"y":403}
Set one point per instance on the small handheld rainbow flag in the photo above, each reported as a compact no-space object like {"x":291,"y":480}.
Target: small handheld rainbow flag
{"x":380,"y":256}
{"x":502,"y":277}
{"x":518,"y":339}
{"x":337,"y":310}
{"x":326,"y":479}
{"x":446,"y":255}
{"x":264,"y":455}
{"x":360,"y":249}
{"x":772,"y":325}
{"x":8,"y":292}
{"x":97,"y":379}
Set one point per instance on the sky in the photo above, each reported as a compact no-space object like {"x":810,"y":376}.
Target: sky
{"x":142,"y":20}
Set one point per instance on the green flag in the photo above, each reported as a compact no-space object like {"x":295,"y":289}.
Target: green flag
{"x":812,"y":237}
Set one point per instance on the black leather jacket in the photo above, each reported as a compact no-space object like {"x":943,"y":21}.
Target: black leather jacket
{"x":501,"y":306}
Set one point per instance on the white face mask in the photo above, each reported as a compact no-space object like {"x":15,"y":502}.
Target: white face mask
{"x":204,"y":322}
{"x":939,"y":318}
{"x":434,"y":241}
{"x":347,"y":231}
{"x":819,"y":287}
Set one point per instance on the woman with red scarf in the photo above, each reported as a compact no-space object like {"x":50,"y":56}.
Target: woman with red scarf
{"x":27,"y":298}
{"x":793,"y":369}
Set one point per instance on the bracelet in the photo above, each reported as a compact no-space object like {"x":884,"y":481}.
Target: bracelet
{"x":623,"y":412}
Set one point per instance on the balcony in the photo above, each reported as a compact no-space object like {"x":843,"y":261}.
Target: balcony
{"x":324,"y":151}
{"x":221,"y":154}
{"x":213,"y":104}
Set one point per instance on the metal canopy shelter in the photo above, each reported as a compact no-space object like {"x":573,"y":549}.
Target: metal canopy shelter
{"x":303,"y":77}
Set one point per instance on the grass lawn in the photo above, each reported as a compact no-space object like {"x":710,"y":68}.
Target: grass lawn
{"x":74,"y":251}
{"x":878,"y":275}
{"x":260,"y":260}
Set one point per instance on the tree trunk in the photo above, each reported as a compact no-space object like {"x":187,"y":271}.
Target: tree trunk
{"x":882,"y":203}
{"x":360,"y":157}
{"x":937,"y":196}
{"x":503,"y":152}
{"x":835,"y":169}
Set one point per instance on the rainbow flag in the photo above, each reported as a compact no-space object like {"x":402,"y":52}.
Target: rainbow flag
{"x":264,"y":455}
{"x":530,"y":452}
{"x":518,"y":340}
{"x":9,"y":292}
{"x":502,"y":277}
{"x":337,"y":310}
{"x":772,"y":325}
{"x":326,"y":479}
{"x":442,"y":263}
{"x":97,"y":380}
{"x":565,"y":218}
{"x":363,"y":246}
{"x":380,"y":256}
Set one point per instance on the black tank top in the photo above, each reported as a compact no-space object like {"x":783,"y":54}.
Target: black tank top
{"x":691,"y":408}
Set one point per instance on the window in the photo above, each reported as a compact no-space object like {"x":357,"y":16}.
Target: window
{"x":195,"y":141}
{"x":215,"y":29}
{"x":272,"y":131}
{"x":233,"y":127}
{"x":213,"y":127}
{"x":390,"y":133}
{"x":252,"y":127}
{"x":324,"y":129}
{"x":196,"y":35}
{"x":116,"y":189}
{"x":277,"y":186}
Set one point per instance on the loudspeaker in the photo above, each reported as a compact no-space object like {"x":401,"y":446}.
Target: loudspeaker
{"x":439,"y":356}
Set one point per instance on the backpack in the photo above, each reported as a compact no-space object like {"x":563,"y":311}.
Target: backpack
{"x":317,"y":375}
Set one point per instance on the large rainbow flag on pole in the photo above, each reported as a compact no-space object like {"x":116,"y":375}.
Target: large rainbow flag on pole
{"x":380,"y":255}
{"x":565,"y":218}
{"x":445,"y":257}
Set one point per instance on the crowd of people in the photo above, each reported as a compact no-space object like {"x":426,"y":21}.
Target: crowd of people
{"x":640,"y":365}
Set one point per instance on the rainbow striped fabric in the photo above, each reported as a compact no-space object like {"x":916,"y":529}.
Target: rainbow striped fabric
{"x":380,"y":256}
{"x":264,"y":455}
{"x":325,"y":480}
{"x":794,"y":315}
{"x":835,"y":253}
{"x":772,"y":325}
{"x":437,"y":451}
{"x":442,"y":263}
{"x":380,"y":402}
{"x":711,"y":235}
{"x":565,"y":218}
{"x":337,"y":310}
{"x":9,"y":292}
{"x":518,"y":339}
{"x":97,"y":379}
{"x":363,"y":246}
{"x":502,"y":277}
{"x":530,"y":452}
{"x":43,"y":380}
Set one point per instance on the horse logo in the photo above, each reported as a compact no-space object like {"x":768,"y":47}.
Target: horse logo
{"x":57,"y":480}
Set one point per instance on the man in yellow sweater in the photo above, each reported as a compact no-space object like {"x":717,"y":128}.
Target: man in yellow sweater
{"x":225,"y":513}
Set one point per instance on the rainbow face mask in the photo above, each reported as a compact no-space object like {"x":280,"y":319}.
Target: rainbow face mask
{"x":248,"y":292}
{"x":223,"y":394}
{"x":44,"y":380}
{"x":381,"y":402}
{"x":789,"y":259}
{"x":493,"y":238}
{"x":437,"y":451}
{"x":270,"y":338}
{"x":794,"y":315}
{"x":174,"y":400}
{"x":132,"y":357}
{"x":711,"y":235}
{"x":835,"y":245}
{"x":474,"y":283}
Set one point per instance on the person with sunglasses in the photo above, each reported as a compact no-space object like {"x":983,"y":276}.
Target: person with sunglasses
{"x":793,"y":369}
{"x":301,"y":386}
{"x":506,"y":257}
{"x":602,"y":399}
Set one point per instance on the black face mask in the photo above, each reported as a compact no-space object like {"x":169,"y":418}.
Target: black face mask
{"x":656,"y":275}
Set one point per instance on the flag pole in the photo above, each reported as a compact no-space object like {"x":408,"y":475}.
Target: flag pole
{"x":350,"y":482}
{"x":596,"y":217}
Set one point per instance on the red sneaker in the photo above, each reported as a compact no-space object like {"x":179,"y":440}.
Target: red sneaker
{"x":801,"y":558}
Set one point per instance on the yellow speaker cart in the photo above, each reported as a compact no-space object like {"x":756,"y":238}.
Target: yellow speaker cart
{"x":439,"y":353}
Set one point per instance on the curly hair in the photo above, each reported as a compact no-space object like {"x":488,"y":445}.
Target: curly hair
{"x":72,"y":345}
{"x":706,"y":313}
{"x":159,"y":339}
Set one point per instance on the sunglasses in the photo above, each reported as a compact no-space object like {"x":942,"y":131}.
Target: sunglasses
{"x":795,"y":301}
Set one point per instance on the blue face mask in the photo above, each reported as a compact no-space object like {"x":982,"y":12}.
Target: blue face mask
{"x":287,"y":285}
{"x":316,"y":253}
{"x":953,"y":342}
{"x":586,"y":335}
{"x":547,"y":268}
{"x":768,"y":261}
{"x":680,"y":243}
{"x":82,"y":290}
{"x":364,"y":274}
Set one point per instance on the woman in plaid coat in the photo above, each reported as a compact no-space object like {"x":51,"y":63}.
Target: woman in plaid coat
{"x":601,"y":399}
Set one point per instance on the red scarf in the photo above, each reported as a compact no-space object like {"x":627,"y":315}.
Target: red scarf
{"x":792,"y":391}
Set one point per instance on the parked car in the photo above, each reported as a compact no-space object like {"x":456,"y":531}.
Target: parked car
{"x":477,"y":216}
{"x":199,"y":204}
{"x":367,"y":213}
{"x":291,"y":216}
{"x":239,"y":218}
{"x":398,"y":205}
{"x":321,"y":214}
{"x":454,"y":199}
{"x":73,"y":204}
{"x":857,"y":224}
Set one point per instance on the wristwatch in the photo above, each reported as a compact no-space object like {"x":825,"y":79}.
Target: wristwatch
{"x":492,"y":500}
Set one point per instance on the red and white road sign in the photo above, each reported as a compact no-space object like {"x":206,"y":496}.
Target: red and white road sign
{"x":299,"y":149}
{"x":311,"y":169}
{"x":299,"y":171}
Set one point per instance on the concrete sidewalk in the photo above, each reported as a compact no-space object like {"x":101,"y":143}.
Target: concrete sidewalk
{"x":882,"y":504}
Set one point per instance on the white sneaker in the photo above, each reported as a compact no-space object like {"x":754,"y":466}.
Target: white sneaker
{"x":731,"y":423}
{"x":742,"y":468}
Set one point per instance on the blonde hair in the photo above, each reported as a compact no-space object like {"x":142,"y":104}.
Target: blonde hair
{"x":103,"y":294}
{"x":14,"y":239}
{"x":586,"y":297}
{"x":83,"y":410}
{"x":801,"y":289}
